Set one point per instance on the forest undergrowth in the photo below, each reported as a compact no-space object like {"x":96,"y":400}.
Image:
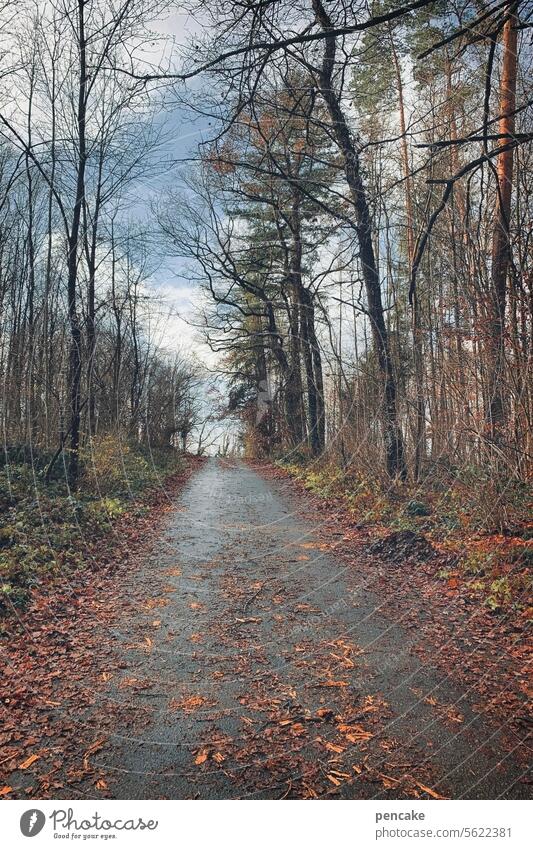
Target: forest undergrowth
{"x":48,"y":531}
{"x":481,"y":526}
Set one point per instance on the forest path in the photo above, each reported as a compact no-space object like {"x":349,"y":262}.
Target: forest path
{"x":259,"y":669}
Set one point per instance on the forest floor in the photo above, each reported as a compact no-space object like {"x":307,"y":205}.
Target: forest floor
{"x":249,"y":640}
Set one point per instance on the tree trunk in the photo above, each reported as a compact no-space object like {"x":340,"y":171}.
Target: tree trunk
{"x":418,"y":362}
{"x":394,"y":450}
{"x":73,"y":240}
{"x":313,"y":369}
{"x":294,"y":381}
{"x":496,"y":412}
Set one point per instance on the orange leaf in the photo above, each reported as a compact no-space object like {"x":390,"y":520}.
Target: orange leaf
{"x":156,"y":602}
{"x":5,"y":790}
{"x":355,"y":733}
{"x":29,"y":761}
{"x":325,"y":713}
{"x":201,"y":757}
{"x":94,"y":747}
{"x":358,"y":738}
{"x":187,"y":704}
{"x":101,"y":784}
{"x":333,"y":748}
{"x":429,"y":791}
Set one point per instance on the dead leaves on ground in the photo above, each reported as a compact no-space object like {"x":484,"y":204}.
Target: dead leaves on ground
{"x":152,"y":603}
{"x":93,"y":748}
{"x":206,"y":753}
{"x":135,"y":683}
{"x":29,"y":761}
{"x":190,"y":704}
{"x":215,"y":750}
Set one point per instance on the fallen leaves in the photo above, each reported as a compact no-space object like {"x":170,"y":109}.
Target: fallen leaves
{"x":325,"y":713}
{"x":275,"y":699}
{"x":448,"y":712}
{"x":29,"y":761}
{"x":135,"y":683}
{"x":355,"y":733}
{"x":211,"y":751}
{"x":196,"y":638}
{"x":60,"y":656}
{"x":247,"y":620}
{"x":152,"y":603}
{"x":93,"y":748}
{"x":304,"y":607}
{"x":429,"y":791}
{"x":319,"y":546}
{"x":190,"y":704}
{"x":333,"y":747}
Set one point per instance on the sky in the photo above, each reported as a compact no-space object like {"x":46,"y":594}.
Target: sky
{"x":183,"y":132}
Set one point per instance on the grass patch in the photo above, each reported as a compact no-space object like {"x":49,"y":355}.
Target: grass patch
{"x":46,"y":531}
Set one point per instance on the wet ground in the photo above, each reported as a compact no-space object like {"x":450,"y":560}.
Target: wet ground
{"x":258,"y":668}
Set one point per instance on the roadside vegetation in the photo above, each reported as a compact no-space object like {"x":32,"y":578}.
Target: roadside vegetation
{"x":486,"y":535}
{"x":48,"y":532}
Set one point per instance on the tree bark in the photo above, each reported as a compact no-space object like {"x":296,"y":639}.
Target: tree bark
{"x":294,"y":378}
{"x":394,"y":448}
{"x":420,"y":404}
{"x":496,"y":412}
{"x":73,"y":241}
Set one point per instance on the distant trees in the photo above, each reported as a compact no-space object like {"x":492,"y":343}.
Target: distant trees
{"x":77,"y":357}
{"x":421,"y":300}
{"x":359,"y":225}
